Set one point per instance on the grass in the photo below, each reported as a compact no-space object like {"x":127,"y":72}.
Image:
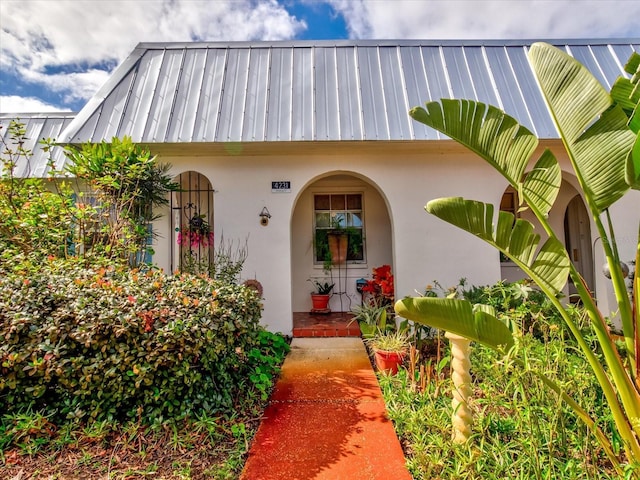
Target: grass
{"x":521,"y":431}
{"x":204,"y":447}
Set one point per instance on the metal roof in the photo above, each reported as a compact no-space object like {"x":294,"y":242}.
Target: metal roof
{"x":319,"y":90}
{"x":37,"y":126}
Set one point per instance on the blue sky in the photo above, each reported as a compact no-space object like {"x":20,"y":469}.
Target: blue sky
{"x":55,"y":55}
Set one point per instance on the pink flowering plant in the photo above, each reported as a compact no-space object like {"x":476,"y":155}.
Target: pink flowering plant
{"x":196,"y":233}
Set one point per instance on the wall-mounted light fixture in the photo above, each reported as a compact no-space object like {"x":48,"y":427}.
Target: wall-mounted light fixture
{"x":623,"y":267}
{"x":264,"y":216}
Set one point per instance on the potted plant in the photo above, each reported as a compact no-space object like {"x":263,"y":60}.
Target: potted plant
{"x":196,"y":233}
{"x":320,"y":297}
{"x":371,"y":317}
{"x":389,"y":349}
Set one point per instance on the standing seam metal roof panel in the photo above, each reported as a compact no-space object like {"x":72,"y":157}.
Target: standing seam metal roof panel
{"x":394,"y":94}
{"x":348,"y":92}
{"x":279,"y":98}
{"x":319,"y":90}
{"x":326,"y":87}
{"x":416,"y":86}
{"x":38,"y":126}
{"x":187,"y":95}
{"x":208,"y":114}
{"x":303,"y":93}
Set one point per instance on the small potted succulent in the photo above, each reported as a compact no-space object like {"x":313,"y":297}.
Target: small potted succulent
{"x":320,"y":297}
{"x":389,"y":347}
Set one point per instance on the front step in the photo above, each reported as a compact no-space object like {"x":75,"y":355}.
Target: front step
{"x":334,"y":324}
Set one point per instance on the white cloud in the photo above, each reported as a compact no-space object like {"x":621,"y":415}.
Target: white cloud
{"x":489,"y":19}
{"x":73,"y":86}
{"x":16,"y":104}
{"x":54,"y":43}
{"x":77,"y":31}
{"x":69,"y":47}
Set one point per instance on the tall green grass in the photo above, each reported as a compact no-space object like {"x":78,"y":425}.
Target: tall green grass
{"x":520,"y":430}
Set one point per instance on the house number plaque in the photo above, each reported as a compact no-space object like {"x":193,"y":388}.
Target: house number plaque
{"x":281,"y":186}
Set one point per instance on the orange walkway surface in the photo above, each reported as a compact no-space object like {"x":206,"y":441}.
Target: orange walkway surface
{"x":326,"y":419}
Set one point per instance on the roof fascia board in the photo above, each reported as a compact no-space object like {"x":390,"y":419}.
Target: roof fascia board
{"x":381,"y":43}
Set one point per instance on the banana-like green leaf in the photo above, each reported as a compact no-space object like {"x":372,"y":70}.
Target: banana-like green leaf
{"x":548,"y":264}
{"x":501,"y":141}
{"x":595,"y":133}
{"x":542,"y":184}
{"x":624,"y":93}
{"x":486,"y":130}
{"x":633,"y":166}
{"x":457,"y":316}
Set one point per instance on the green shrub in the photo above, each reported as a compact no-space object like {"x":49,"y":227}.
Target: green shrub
{"x":108,"y":343}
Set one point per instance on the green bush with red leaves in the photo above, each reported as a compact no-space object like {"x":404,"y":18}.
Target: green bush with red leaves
{"x":111,"y":343}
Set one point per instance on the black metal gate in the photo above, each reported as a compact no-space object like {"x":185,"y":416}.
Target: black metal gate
{"x":192,"y":224}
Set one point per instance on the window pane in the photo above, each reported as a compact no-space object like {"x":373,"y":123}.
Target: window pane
{"x":321,"y":202}
{"x":354,"y":202}
{"x":323,"y":219}
{"x":322,"y":246}
{"x":355,"y":219}
{"x":356,"y":248}
{"x":339,"y":220}
{"x":337,"y":202}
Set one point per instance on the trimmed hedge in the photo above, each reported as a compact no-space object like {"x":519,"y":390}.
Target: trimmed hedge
{"x":105,"y":343}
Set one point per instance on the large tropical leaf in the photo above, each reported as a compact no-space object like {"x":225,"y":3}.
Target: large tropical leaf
{"x":626,"y":92}
{"x":542,"y":184}
{"x":633,"y":166}
{"x":595,"y":133}
{"x":501,"y":141}
{"x":548,"y":264}
{"x":486,"y":130}
{"x":457,"y":316}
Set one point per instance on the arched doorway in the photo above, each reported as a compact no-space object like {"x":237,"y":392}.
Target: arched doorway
{"x":577,"y":234}
{"x":568,"y":215}
{"x":192,"y":224}
{"x":353,"y":202}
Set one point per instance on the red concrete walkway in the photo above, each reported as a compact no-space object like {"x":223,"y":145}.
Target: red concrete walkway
{"x":326,"y":419}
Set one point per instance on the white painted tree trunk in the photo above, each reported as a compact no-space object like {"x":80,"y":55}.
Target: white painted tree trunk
{"x":462,"y":417}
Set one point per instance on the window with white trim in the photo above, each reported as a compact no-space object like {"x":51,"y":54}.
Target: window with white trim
{"x":339,"y":211}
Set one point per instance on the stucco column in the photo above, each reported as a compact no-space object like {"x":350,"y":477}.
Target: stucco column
{"x":461,"y":418}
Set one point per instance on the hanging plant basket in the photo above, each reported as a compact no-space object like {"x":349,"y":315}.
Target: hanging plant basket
{"x":196,"y":233}
{"x":338,"y":246}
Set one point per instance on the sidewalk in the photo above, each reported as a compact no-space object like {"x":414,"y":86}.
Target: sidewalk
{"x":326,"y":419}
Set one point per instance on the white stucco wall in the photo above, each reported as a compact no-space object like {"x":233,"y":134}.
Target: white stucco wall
{"x":397,"y":180}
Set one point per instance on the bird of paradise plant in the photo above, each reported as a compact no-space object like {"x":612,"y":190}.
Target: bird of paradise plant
{"x":600,"y":132}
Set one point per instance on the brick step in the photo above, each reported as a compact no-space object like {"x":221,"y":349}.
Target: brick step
{"x":333,"y":324}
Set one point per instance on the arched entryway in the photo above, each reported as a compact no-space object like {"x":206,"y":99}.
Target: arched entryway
{"x":571,"y":222}
{"x":350,"y":201}
{"x":577,"y":234}
{"x":192,"y":224}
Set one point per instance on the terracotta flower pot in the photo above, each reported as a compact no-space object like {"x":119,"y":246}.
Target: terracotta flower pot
{"x":320,"y":302}
{"x":388,"y":361}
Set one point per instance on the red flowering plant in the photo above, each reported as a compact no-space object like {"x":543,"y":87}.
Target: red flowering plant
{"x":196,"y":233}
{"x":380,"y":289}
